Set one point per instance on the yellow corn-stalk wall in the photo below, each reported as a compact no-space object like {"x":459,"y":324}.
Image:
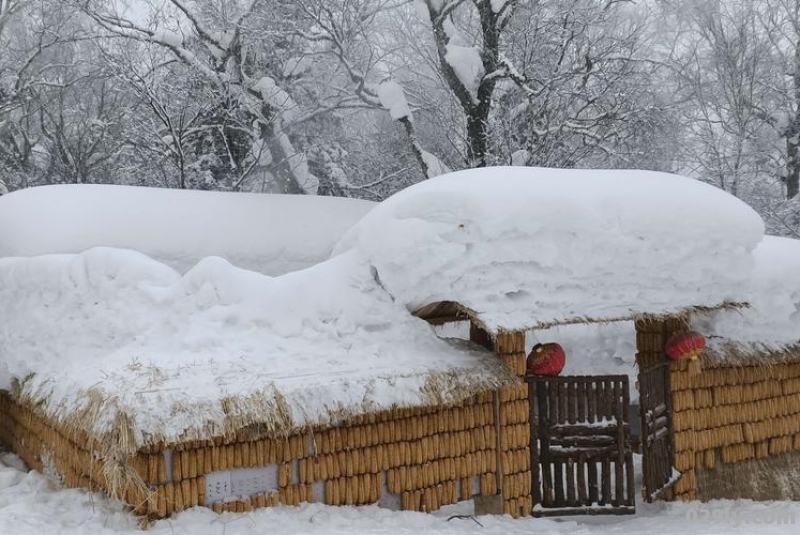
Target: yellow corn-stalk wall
{"x":515,"y":434}
{"x":724,"y":414}
{"x":47,"y":447}
{"x":732,"y":414}
{"x":429,"y":456}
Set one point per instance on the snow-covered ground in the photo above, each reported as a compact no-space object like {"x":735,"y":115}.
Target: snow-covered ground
{"x":32,"y":504}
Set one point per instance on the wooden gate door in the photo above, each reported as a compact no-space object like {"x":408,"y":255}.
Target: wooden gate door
{"x":581,"y":459}
{"x":658,"y":451}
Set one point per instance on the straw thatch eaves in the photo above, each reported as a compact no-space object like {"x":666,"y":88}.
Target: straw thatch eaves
{"x":268,"y":413}
{"x":726,"y":353}
{"x":450,"y":311}
{"x":111,"y":433}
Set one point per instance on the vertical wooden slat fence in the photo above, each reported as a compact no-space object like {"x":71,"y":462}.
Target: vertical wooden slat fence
{"x":581,"y":459}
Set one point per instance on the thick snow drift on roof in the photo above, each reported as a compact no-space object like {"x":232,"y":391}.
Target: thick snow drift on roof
{"x":271,"y":234}
{"x":774,"y":294}
{"x":115,"y":327}
{"x":523,"y":247}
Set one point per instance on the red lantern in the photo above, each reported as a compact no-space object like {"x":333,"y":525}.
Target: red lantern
{"x":546,"y":359}
{"x":686,"y":345}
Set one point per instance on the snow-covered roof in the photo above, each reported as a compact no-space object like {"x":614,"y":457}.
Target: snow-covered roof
{"x":271,"y":234}
{"x":111,"y":337}
{"x":110,"y":333}
{"x":525,"y":248}
{"x":771,"y":325}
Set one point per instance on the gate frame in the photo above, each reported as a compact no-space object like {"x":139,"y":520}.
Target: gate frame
{"x":658,"y":438}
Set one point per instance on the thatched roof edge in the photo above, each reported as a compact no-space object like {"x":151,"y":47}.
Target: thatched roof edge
{"x":112,"y":432}
{"x":721,"y":353}
{"x":447,"y":311}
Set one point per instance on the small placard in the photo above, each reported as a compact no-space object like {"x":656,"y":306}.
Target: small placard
{"x":218,"y":487}
{"x":240,"y":483}
{"x":251,"y":481}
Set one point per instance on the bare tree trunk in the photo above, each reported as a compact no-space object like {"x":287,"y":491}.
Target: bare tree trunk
{"x":477,"y":136}
{"x":793,"y":135}
{"x":476,"y":107}
{"x":792,"y":165}
{"x":285,"y":178}
{"x":478,"y":115}
{"x":416,"y":148}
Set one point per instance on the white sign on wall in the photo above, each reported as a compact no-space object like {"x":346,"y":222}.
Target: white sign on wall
{"x":240,"y":483}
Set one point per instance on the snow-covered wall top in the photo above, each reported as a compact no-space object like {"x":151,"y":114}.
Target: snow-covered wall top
{"x":524,"y":247}
{"x":271,"y":234}
{"x":774,"y":316}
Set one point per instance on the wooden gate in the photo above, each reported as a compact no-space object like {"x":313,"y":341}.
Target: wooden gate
{"x":658,"y":451}
{"x":581,"y":459}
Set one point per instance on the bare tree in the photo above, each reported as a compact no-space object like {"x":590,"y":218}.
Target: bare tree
{"x":45,"y":96}
{"x":780,"y":23}
{"x":228,"y":45}
{"x":16,"y":74}
{"x":550,"y":82}
{"x":469,"y":60}
{"x":349,"y":31}
{"x":721,"y":65}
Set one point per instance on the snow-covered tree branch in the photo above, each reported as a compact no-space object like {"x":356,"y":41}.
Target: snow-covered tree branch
{"x":224,"y":51}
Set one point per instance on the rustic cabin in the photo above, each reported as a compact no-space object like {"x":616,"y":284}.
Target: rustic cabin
{"x":230,"y":389}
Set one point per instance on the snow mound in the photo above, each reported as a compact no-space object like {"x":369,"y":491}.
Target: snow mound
{"x":524,"y":247}
{"x":167,"y":350}
{"x":774,"y":295}
{"x":521,"y":247}
{"x":271,"y":234}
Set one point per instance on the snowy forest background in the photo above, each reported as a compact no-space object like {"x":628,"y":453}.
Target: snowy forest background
{"x":362,"y":98}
